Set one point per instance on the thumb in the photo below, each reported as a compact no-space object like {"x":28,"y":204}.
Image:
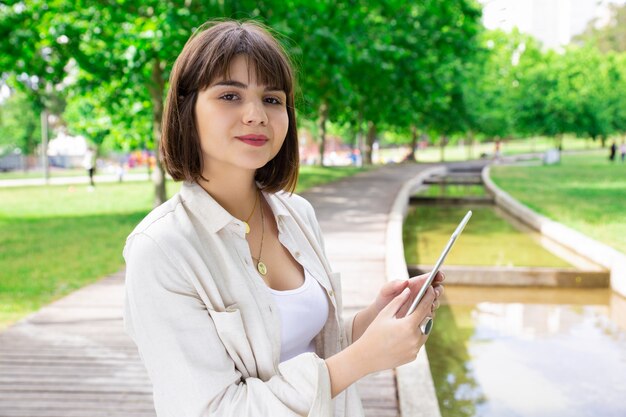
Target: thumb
{"x":394,"y":305}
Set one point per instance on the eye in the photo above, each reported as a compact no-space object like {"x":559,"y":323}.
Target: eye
{"x":273,"y":100}
{"x":229,"y":97}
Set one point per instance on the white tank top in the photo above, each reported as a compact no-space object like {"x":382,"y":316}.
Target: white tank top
{"x":303,"y":313}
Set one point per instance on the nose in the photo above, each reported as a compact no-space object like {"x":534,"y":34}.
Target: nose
{"x":254,"y":113}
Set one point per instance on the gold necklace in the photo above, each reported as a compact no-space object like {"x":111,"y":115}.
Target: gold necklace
{"x":248,"y":219}
{"x":260,"y":266}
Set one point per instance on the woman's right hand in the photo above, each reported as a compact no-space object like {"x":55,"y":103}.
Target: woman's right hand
{"x":389,"y":341}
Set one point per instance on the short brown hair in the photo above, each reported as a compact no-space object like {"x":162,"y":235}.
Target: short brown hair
{"x":206,"y":57}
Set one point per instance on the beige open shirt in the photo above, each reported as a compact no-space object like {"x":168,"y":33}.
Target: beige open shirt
{"x":206,"y":326}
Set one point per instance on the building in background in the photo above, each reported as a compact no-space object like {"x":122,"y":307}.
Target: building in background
{"x":553,"y":22}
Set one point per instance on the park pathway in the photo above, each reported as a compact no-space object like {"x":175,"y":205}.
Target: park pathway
{"x":73,"y":359}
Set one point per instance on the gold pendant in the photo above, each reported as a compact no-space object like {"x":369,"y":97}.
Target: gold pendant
{"x":247,"y":227}
{"x":261,"y":268}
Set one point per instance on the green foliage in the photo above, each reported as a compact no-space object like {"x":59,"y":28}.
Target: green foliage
{"x":428,"y":67}
{"x":384,"y":62}
{"x":19,"y":124}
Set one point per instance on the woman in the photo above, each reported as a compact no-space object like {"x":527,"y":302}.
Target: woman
{"x":230,"y":298}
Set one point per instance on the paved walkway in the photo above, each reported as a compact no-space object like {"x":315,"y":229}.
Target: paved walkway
{"x":98,"y":179}
{"x":72,"y":357}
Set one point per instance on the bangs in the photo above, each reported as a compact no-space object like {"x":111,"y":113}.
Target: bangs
{"x":265,"y":57}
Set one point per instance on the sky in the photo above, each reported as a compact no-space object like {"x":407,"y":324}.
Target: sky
{"x":553,"y":22}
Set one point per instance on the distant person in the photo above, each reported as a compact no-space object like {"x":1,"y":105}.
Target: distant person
{"x":498,"y":150}
{"x":89,"y":163}
{"x":622,"y":150}
{"x":612,"y":151}
{"x":230,"y":297}
{"x":120,"y":170}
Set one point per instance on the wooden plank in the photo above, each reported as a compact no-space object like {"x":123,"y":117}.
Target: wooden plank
{"x":69,"y":412}
{"x":91,"y":396}
{"x":117,"y":388}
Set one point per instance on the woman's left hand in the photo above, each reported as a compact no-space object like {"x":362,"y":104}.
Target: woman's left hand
{"x":387,"y":293}
{"x":392,"y":289}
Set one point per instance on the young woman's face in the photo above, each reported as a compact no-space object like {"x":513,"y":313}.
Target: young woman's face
{"x":240,"y":123}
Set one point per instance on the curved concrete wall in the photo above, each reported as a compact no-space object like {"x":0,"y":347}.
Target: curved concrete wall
{"x":591,"y":249}
{"x":416,"y":390}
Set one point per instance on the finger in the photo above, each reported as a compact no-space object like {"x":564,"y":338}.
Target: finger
{"x":424,"y":307}
{"x":394,"y":305}
{"x":415,"y":283}
{"x":393,"y":288}
{"x":439,"y":290}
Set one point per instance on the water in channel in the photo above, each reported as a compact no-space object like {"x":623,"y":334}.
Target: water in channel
{"x":509,"y":352}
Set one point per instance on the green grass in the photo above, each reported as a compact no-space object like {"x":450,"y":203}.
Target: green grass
{"x":61,"y":172}
{"x":20,"y":174}
{"x":454,"y":190}
{"x":511,"y":147}
{"x":488,"y":239}
{"x":584,"y":191}
{"x":56,"y":239}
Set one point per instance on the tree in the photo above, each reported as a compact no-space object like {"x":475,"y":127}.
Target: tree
{"x":490,"y":83}
{"x":609,"y":37}
{"x":454,"y":28}
{"x":33,"y":60}
{"x":125,"y":51}
{"x":19,"y":127}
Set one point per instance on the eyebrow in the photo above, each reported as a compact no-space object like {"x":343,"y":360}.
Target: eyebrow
{"x":232,"y":83}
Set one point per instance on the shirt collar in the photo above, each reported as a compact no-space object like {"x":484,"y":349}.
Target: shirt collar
{"x":212,"y":215}
{"x":277,"y":206}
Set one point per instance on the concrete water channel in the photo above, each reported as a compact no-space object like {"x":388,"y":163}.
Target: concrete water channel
{"x":526,"y":328}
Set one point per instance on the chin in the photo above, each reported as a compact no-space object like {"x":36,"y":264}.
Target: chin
{"x":254,"y":163}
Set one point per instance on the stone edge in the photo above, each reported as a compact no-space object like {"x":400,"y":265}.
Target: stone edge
{"x":416,"y":390}
{"x":579,"y":243}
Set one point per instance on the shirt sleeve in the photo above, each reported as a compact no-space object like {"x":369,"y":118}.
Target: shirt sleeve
{"x":190,"y":368}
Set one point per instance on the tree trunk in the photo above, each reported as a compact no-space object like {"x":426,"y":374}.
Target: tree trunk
{"x":603,"y":141}
{"x":371,"y":137}
{"x":30,"y":140}
{"x":414,"y":137}
{"x":359,"y":140}
{"x":471,"y":144}
{"x":322,"y":126}
{"x":442,"y":145}
{"x":44,"y":145}
{"x":156,"y":93}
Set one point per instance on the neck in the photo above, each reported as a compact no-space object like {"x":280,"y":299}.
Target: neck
{"x":235,"y":191}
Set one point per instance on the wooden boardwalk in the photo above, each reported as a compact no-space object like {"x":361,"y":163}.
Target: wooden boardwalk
{"x":73,"y":359}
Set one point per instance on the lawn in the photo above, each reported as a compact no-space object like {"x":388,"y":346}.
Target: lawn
{"x":584,"y":191}
{"x":509,"y":147}
{"x":56,"y":239}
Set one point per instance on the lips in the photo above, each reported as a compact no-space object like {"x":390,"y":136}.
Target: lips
{"x":253,"y":140}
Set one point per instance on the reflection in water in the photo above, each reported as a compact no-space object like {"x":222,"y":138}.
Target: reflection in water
{"x":457,"y":390}
{"x":488,"y":239}
{"x":495,"y":353}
